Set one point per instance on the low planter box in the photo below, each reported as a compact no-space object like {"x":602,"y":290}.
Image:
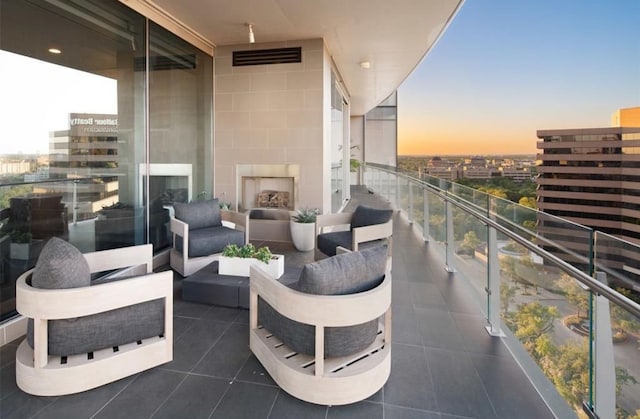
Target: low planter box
{"x":241,"y":266}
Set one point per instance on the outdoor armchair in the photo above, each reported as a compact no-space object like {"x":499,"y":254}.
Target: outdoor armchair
{"x":82,"y":333}
{"x":201,"y":231}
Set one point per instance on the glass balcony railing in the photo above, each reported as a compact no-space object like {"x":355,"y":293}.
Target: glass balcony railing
{"x":558,"y":293}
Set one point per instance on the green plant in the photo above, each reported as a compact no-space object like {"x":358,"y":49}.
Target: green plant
{"x":306,"y":215}
{"x":263,"y":253}
{"x":18,"y":236}
{"x":225,"y":206}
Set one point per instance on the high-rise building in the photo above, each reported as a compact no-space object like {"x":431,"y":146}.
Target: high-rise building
{"x":591,"y":176}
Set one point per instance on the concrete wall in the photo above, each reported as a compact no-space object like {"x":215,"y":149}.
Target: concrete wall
{"x":271,"y":114}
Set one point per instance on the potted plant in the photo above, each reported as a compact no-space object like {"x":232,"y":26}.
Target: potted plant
{"x":303,"y":229}
{"x":237,"y":260}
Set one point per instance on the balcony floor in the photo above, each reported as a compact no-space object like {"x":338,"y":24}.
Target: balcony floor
{"x":444,"y":364}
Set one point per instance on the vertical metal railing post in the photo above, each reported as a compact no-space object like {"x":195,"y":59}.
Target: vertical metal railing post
{"x":493,"y":285}
{"x":410,"y":212}
{"x":450,"y":238}
{"x":75,"y":203}
{"x":605,"y":368}
{"x":426,"y":216}
{"x":397,"y":191}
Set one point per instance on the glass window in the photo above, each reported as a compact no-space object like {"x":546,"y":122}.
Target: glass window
{"x":81,"y":130}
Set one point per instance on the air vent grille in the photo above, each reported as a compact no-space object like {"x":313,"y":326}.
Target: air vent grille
{"x":267,"y":56}
{"x":167,"y":62}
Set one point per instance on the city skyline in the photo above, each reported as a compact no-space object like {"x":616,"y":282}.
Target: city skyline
{"x":503,"y":70}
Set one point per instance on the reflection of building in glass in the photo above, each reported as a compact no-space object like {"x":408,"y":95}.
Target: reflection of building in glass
{"x":88,"y":151}
{"x":590,"y":177}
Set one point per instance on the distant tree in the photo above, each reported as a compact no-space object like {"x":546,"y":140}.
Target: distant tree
{"x":575,"y":295}
{"x":527,"y":201}
{"x":507,"y":293}
{"x":531,"y":321}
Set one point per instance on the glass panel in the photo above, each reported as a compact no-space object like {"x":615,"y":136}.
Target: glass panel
{"x":548,"y":312}
{"x":72,"y":115}
{"x":618,"y":259}
{"x":180,"y":100}
{"x":626,"y":360}
{"x":337,"y":146}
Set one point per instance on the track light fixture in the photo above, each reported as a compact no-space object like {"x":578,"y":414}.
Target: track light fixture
{"x":252,"y":38}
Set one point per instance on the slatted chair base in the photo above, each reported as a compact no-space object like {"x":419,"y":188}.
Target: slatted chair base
{"x":347,"y":379}
{"x":76,"y":373}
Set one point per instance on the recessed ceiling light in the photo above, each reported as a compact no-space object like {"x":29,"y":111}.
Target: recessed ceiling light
{"x":55,"y":51}
{"x":365,"y":64}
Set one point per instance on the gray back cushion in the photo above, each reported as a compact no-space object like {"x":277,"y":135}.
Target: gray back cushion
{"x":346,"y":273}
{"x":366,"y":216}
{"x":199,"y":214}
{"x":60,"y":265}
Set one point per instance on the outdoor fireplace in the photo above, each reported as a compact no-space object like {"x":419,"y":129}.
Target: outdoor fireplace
{"x":267,"y":186}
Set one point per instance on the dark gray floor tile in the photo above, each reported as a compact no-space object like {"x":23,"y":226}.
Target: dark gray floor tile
{"x":397,"y":412}
{"x":222,"y":314}
{"x":181,"y":325}
{"x":438,"y":328}
{"x":509,"y":390}
{"x":246,"y":401}
{"x":8,"y":354}
{"x":21,"y":405}
{"x":405,"y":326}
{"x":143,"y":395}
{"x":424,"y":295}
{"x":195,"y":398}
{"x":288,"y":407}
{"x":475,"y":336}
{"x":410,"y":382}
{"x":459,"y":390}
{"x":228,"y":355}
{"x":8,"y":384}
{"x":254,"y":372}
{"x":85,"y":404}
{"x":188,"y":309}
{"x":189,"y":349}
{"x":362,"y":410}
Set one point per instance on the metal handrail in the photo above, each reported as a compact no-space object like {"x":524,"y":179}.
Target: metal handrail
{"x":583,"y":278}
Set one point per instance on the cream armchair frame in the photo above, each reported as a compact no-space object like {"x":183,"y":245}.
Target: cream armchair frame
{"x":41,"y":374}
{"x":187,"y":266}
{"x":316,"y":379}
{"x":342,"y":221}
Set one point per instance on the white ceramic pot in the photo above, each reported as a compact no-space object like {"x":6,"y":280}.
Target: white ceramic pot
{"x":303,"y":235}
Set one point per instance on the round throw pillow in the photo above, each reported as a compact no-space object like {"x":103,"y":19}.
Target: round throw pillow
{"x":60,"y":265}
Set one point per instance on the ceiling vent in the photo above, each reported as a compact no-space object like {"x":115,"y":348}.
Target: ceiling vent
{"x":167,"y":62}
{"x":267,"y":56}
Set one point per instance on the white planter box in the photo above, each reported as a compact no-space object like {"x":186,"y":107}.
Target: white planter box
{"x":241,"y":266}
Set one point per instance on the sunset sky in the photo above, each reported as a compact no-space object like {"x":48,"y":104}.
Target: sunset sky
{"x":504,"y":69}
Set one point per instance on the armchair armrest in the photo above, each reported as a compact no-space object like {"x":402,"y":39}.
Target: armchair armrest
{"x":180,"y":228}
{"x":240,"y":221}
{"x":372,"y":232}
{"x":331,"y":220}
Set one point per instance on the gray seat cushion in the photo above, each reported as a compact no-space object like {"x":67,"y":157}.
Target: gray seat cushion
{"x":328,"y":242}
{"x":211,"y":240}
{"x":343,"y":274}
{"x":199,"y":214}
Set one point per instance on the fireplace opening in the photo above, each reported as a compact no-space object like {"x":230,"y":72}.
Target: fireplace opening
{"x":268,"y":192}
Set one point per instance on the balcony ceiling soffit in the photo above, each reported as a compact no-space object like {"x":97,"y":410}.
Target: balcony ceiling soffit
{"x":393,"y":36}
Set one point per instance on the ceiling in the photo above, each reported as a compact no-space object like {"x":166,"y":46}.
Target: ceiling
{"x":393,"y":36}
